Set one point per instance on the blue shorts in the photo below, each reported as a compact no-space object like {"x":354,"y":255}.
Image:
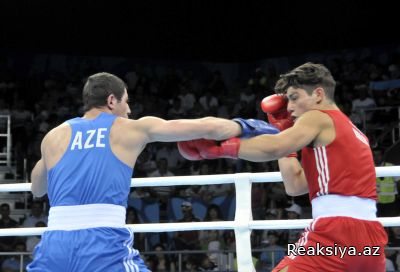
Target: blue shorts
{"x":95,"y":250}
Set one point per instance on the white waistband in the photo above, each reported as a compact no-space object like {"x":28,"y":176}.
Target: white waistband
{"x":86,"y":216}
{"x":338,"y":205}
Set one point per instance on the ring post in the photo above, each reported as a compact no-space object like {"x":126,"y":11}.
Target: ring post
{"x":243,"y":217}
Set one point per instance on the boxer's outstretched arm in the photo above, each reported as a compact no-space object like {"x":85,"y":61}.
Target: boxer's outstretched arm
{"x":159,"y":130}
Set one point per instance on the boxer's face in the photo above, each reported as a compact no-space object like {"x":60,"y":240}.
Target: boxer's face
{"x":121,"y":108}
{"x":300,"y":101}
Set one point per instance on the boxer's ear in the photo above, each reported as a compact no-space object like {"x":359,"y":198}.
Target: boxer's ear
{"x":111,"y":101}
{"x":319,"y":94}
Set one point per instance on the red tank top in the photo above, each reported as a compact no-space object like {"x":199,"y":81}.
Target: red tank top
{"x":345,"y":166}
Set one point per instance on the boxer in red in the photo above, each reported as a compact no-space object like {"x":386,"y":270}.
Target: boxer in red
{"x":337,"y":170}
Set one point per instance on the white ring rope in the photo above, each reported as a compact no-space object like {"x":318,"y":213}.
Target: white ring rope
{"x":217,"y":225}
{"x":382,"y":171}
{"x":243,"y":222}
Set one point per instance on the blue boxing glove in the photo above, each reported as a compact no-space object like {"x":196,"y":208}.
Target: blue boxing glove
{"x":254,"y":127}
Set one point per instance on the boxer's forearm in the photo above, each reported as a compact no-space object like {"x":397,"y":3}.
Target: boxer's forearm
{"x":293,"y":176}
{"x":264,"y":148}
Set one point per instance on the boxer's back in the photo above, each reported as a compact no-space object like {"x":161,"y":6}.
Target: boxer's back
{"x":89,"y":172}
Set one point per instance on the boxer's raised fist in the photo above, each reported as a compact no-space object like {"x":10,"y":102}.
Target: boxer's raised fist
{"x":275,"y":106}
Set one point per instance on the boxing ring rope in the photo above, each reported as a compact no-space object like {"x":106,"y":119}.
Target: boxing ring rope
{"x":243,"y":223}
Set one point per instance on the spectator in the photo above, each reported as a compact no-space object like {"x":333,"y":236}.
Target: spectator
{"x":163,"y":193}
{"x":192,"y":191}
{"x":273,"y":253}
{"x":258,"y":200}
{"x":32,"y":241}
{"x":7,"y":243}
{"x":274,"y":214}
{"x":217,"y":85}
{"x":37,"y":214}
{"x":394,"y":236}
{"x":386,"y":187}
{"x":162,"y":169}
{"x":212,"y":240}
{"x":276,"y":194}
{"x":390,"y":260}
{"x":175,"y":111}
{"x":161,"y":262}
{"x":187,"y":239}
{"x":208,"y":101}
{"x":258,"y":83}
{"x":363,"y":102}
{"x":213,"y":213}
{"x":169,"y":152}
{"x":187,"y":99}
{"x":293,"y":212}
{"x":207,"y":264}
{"x":247,"y":96}
{"x":394,"y":71}
{"x":145,"y":164}
{"x":133,"y":218}
{"x":13,"y":263}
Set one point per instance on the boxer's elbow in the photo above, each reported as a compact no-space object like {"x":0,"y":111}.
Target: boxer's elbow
{"x":38,"y":188}
{"x":296,"y":188}
{"x":37,"y":192}
{"x":39,"y":179}
{"x":295,"y":192}
{"x":293,"y":178}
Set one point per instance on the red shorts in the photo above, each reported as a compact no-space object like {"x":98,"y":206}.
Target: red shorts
{"x":338,"y":244}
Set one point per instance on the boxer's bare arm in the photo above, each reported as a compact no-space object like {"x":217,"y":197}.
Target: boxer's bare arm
{"x":39,"y":179}
{"x":52,"y":148}
{"x":159,"y":130}
{"x":129,"y":137}
{"x":293,"y":176}
{"x":39,"y":175}
{"x":292,"y":172}
{"x":271,"y":147}
{"x":312,"y":127}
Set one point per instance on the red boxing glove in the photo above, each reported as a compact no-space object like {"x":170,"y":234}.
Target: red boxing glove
{"x":189,"y":151}
{"x":209,"y":149}
{"x":275,"y":106}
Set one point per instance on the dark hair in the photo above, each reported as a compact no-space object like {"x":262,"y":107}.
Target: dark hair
{"x":134,"y":211}
{"x":158,"y":245}
{"x":213,"y":207}
{"x":5,"y":205}
{"x":308,"y":77}
{"x":98,"y":87}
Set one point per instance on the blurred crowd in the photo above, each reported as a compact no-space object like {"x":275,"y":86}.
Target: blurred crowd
{"x":40,"y":99}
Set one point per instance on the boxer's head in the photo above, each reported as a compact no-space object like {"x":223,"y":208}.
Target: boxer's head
{"x":104,"y":90}
{"x":307,"y":87}
{"x":309,"y":77}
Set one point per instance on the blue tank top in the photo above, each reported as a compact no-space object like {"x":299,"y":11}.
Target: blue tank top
{"x":89,"y":172}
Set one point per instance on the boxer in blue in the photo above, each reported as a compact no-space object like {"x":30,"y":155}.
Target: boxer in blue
{"x":86,"y":169}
